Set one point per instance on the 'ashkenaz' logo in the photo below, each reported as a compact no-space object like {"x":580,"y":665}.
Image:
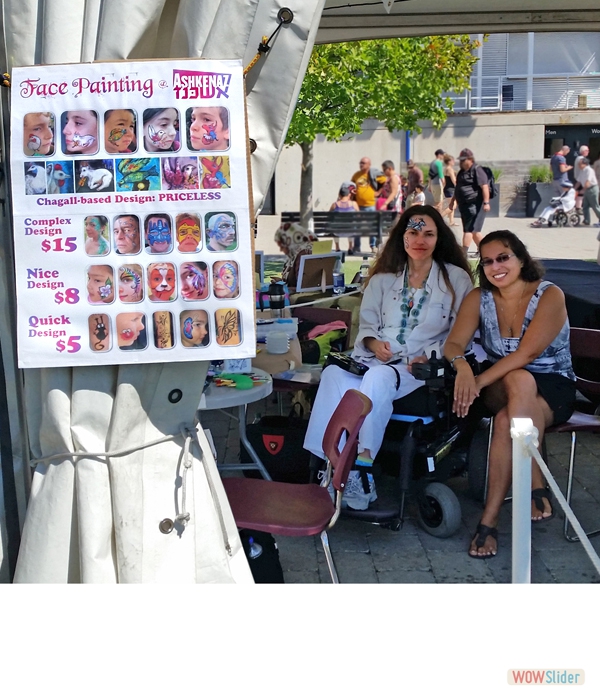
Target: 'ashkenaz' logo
{"x":190,"y":85}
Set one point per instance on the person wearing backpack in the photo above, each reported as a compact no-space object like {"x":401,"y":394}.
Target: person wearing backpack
{"x":368,"y":182}
{"x":472,"y":194}
{"x":436,"y":178}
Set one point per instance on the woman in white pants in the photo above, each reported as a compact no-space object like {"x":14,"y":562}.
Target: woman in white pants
{"x":414,"y":290}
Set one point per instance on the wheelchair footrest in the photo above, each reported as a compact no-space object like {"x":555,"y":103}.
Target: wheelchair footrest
{"x":384,"y":508}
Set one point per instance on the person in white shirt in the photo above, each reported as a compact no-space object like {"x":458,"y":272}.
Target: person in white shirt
{"x":586,"y":177}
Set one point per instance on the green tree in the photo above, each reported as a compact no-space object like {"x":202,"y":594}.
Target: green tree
{"x":397,"y":81}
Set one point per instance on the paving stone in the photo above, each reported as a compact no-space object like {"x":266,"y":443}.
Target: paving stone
{"x":297,"y":553}
{"x":352,"y":567}
{"x":401,"y":576}
{"x":448,"y":568}
{"x":301,"y":577}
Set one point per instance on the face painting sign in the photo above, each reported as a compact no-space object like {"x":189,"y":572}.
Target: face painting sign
{"x":131,"y":213}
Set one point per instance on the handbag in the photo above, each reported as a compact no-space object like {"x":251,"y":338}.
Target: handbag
{"x":278,"y":442}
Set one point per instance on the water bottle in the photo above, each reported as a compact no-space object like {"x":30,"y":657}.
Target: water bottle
{"x":254,"y":549}
{"x":339,"y":284}
{"x":364,"y":271}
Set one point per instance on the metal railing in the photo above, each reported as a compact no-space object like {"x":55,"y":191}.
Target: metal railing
{"x":525,"y":448}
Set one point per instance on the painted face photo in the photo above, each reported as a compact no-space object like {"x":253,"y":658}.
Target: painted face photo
{"x":220,"y":231}
{"x":38,"y":134}
{"x":227,"y":322}
{"x":193,"y":281}
{"x":59,"y":177}
{"x":126,"y":233}
{"x":99,"y":332}
{"x":226,"y":284}
{"x":100,"y":284}
{"x":120,"y":131}
{"x":215,"y":173}
{"x":131,"y":283}
{"x":208,"y":128}
{"x":162,"y":282}
{"x":35,"y":177}
{"x":137,"y":174}
{"x":161,"y":130}
{"x":131,"y":331}
{"x":180,"y":173}
{"x":94,"y":176}
{"x":79,"y":132}
{"x":96,"y":235}
{"x":162,"y":324}
{"x":157,"y":233}
{"x":194,"y":328}
{"x":189,"y":239}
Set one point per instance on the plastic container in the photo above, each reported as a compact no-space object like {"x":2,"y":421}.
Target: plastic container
{"x":278,"y":343}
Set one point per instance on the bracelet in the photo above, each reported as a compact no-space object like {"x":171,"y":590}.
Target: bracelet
{"x":486,"y":202}
{"x":457,"y":357}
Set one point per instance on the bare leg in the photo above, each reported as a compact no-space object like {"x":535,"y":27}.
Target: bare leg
{"x":467,"y":240}
{"x":518,"y":392}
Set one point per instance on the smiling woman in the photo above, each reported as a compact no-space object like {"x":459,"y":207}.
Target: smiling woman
{"x":525,"y":332}
{"x":409,"y":305}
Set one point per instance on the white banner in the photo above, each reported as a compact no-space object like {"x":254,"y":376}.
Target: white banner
{"x":131,"y":213}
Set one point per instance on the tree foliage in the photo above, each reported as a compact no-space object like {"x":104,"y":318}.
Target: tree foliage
{"x":397,"y":81}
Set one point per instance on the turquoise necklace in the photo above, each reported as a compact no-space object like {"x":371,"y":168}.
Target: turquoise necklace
{"x":409,"y":309}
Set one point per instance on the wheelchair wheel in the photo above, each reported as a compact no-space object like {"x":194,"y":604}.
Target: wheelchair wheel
{"x":574,"y":219}
{"x":477,"y":462}
{"x":439,"y":510}
{"x":561,"y":219}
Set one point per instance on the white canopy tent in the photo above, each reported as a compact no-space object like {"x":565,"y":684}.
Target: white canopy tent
{"x":90,"y":522}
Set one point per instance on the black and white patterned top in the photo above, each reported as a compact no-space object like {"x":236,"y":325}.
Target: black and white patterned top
{"x":555,"y":359}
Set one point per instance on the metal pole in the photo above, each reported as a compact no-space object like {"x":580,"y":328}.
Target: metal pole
{"x":530,"y":50}
{"x":522,"y":432}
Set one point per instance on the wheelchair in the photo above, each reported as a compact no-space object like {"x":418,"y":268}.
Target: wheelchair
{"x":425,"y":444}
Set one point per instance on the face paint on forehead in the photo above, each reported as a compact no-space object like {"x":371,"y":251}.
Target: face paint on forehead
{"x":415,"y":224}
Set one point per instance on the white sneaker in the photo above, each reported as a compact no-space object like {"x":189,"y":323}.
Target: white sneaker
{"x":354,"y":496}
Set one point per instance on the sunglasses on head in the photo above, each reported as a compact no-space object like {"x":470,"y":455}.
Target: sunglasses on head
{"x":502,"y":258}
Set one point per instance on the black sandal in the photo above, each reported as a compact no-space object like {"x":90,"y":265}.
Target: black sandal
{"x":483,"y":532}
{"x":536,"y":496}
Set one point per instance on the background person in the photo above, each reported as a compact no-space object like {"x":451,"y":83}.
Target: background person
{"x":436,"y":178}
{"x":559,"y":167}
{"x":390,"y":196}
{"x":449,"y":189}
{"x":414,"y":177}
{"x":411,"y":300}
{"x":586,"y":177}
{"x":524,"y":330}
{"x":344,"y":202}
{"x":368,"y":181}
{"x":472,"y":194}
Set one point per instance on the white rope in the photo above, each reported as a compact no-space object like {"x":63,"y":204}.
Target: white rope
{"x":323,"y":299}
{"x":590,"y":551}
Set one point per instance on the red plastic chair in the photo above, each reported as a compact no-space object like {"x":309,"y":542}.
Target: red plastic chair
{"x":585,"y":344}
{"x":302,"y":510}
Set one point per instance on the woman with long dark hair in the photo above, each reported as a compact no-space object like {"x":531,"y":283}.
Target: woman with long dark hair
{"x":412,"y":297}
{"x":524,"y":330}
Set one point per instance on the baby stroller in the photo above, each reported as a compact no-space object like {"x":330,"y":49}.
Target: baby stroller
{"x":561,"y":211}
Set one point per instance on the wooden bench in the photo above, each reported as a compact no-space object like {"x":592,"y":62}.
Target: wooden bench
{"x":348,"y":224}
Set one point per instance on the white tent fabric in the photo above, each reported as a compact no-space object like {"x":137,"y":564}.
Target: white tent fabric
{"x":90,"y":521}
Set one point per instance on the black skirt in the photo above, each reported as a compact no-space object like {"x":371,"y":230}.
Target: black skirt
{"x":558,"y":392}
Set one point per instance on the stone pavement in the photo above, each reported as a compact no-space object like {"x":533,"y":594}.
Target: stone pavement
{"x":367,"y":553}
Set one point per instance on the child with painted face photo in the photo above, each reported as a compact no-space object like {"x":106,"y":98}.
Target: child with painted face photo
{"x":194,"y":328}
{"x":79,"y":132}
{"x":131,"y":331}
{"x":157,"y":230}
{"x":193,"y":278}
{"x":100,"y":284}
{"x":99,"y":332}
{"x":38,"y":134}
{"x":131,"y":287}
{"x":161,"y":130}
{"x":120,"y":131}
{"x":162,"y":282}
{"x":208,"y":128}
{"x":96,"y":235}
{"x":220,"y":231}
{"x":226,"y":283}
{"x":189,"y":238}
